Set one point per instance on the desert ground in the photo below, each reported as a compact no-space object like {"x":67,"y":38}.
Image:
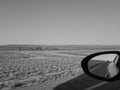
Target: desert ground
{"x":42,"y":69}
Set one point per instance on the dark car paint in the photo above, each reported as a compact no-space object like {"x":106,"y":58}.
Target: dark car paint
{"x":81,"y":82}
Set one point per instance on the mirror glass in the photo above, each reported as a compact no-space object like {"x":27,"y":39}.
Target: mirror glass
{"x":104,"y":65}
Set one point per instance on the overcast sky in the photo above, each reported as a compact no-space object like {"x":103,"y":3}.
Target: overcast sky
{"x":60,"y":22}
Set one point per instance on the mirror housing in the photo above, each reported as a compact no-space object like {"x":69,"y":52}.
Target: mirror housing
{"x":85,"y":61}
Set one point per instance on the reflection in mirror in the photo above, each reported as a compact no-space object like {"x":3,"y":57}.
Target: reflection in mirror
{"x":104,"y":65}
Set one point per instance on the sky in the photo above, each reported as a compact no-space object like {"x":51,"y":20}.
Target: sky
{"x":106,"y":57}
{"x":60,"y":22}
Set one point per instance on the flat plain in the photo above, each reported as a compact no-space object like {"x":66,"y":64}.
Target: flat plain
{"x":42,"y":69}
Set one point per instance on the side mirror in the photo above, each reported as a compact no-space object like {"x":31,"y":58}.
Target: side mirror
{"x":102,"y":65}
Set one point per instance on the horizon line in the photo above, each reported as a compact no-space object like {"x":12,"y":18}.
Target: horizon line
{"x":61,"y":44}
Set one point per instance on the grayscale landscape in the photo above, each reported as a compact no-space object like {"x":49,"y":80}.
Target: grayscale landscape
{"x":42,"y":42}
{"x":42,"y":67}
